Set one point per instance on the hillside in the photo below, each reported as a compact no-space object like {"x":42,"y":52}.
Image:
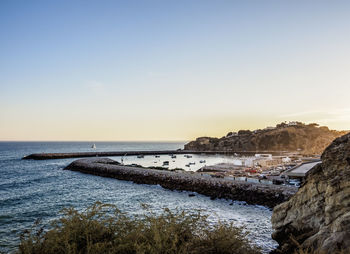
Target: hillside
{"x":294,"y":136}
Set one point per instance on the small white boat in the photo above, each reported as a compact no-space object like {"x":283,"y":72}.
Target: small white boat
{"x":93,"y":146}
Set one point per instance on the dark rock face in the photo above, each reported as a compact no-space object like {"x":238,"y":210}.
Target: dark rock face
{"x":310,"y":139}
{"x":319,"y":214}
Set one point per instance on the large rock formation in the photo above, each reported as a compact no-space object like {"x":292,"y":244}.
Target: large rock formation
{"x":308,"y":139}
{"x":319,"y":214}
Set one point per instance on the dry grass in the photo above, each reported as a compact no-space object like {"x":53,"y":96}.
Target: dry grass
{"x":104,"y":229}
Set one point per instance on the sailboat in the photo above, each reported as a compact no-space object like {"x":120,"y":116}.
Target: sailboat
{"x":93,"y":146}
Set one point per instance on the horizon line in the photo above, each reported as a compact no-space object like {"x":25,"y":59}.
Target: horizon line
{"x":173,"y":141}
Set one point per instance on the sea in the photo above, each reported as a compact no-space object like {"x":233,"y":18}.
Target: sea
{"x":32,"y":190}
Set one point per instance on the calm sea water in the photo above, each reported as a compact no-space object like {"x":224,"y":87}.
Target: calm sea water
{"x":30,"y":190}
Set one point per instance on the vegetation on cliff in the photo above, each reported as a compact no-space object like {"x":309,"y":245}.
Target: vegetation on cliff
{"x":104,"y":229}
{"x":295,"y":136}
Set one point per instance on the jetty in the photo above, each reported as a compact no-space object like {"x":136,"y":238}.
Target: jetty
{"x":49,"y":156}
{"x":300,"y":171}
{"x":252,"y":193}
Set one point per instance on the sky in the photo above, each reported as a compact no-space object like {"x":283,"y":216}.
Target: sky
{"x":170,"y":70}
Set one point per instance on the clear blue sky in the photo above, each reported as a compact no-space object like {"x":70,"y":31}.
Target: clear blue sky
{"x":170,"y":70}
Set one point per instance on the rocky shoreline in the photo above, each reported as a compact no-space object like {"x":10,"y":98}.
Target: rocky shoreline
{"x":252,"y":193}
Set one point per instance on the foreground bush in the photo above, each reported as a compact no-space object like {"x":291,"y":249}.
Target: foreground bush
{"x":104,"y":229}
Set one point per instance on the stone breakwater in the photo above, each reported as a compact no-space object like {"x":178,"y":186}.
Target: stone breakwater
{"x":49,"y":156}
{"x":252,"y":193}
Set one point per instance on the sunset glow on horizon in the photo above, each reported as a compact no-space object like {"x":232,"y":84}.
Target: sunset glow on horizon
{"x":170,"y":70}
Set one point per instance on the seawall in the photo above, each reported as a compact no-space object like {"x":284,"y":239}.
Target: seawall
{"x":253,"y":193}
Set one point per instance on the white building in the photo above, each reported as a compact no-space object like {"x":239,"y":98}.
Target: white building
{"x":286,"y":160}
{"x":264,"y":156}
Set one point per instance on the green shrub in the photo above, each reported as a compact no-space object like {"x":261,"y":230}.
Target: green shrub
{"x":103,"y":228}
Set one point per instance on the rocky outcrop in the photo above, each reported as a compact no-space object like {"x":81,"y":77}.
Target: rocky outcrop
{"x":319,"y":214}
{"x":253,"y":193}
{"x":308,"y":139}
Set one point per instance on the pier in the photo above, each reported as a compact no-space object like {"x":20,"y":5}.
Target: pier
{"x":252,"y":193}
{"x":300,"y":171}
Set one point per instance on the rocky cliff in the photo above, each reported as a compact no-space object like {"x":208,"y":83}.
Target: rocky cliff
{"x":319,"y":214}
{"x":308,"y":139}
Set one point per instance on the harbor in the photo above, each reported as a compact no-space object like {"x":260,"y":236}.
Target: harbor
{"x":279,"y":168}
{"x":252,"y":193}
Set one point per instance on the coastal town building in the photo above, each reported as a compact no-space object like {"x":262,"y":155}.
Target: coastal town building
{"x":263,"y":167}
